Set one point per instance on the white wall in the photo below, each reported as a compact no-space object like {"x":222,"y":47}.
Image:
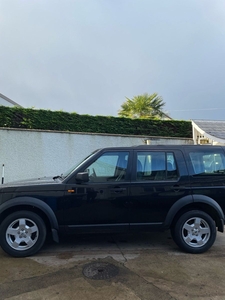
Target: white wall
{"x":35,"y":153}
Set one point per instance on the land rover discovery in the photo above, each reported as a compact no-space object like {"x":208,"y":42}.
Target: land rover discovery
{"x":121,"y":189}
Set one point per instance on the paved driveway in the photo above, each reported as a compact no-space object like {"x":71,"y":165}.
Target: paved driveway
{"x":115,"y":267}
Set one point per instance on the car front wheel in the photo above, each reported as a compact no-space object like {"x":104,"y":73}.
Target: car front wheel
{"x":194,"y":232}
{"x":22,"y":234}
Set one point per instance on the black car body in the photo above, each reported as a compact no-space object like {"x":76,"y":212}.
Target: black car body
{"x":121,"y":189}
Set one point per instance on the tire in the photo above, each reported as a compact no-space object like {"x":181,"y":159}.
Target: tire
{"x":22,"y":234}
{"x":194,"y":232}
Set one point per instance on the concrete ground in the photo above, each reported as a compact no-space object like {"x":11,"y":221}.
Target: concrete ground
{"x":149,"y":266}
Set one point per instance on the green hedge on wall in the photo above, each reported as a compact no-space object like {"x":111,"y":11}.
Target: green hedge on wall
{"x":16,"y":117}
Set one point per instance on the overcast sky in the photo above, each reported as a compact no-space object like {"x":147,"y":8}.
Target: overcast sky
{"x":86,"y":56}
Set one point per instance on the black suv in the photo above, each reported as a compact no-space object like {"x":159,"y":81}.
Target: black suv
{"x":181,"y":188}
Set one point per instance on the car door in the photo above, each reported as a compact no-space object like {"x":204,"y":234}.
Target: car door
{"x":101,"y":203}
{"x":158,"y":180}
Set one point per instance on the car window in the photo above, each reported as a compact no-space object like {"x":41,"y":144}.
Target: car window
{"x":156,"y":166}
{"x":110,"y":166}
{"x":208,"y":163}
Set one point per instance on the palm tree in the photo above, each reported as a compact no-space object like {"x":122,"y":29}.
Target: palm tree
{"x":143,"y":107}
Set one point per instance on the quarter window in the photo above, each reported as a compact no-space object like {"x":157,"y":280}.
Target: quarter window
{"x":156,"y":166}
{"x":205,"y":163}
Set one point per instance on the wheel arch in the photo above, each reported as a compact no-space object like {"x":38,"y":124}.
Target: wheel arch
{"x":195,"y":202}
{"x":35,"y":205}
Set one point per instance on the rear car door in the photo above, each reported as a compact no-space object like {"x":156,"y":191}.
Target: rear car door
{"x":159,"y":179}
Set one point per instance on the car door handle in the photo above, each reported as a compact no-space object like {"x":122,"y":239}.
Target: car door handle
{"x":118,"y":190}
{"x":178,"y":187}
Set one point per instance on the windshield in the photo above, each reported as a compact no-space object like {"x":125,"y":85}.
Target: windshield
{"x":73,"y":168}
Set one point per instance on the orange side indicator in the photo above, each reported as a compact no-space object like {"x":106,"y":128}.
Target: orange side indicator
{"x":71,"y":191}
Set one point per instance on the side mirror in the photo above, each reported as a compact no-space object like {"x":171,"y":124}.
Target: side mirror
{"x":82,"y":177}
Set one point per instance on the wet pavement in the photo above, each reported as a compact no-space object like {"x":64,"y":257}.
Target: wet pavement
{"x":115,"y":267}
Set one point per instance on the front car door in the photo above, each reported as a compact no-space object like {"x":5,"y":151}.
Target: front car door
{"x":101,"y":203}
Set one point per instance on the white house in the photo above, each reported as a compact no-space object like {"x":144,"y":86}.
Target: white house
{"x":208,"y":132}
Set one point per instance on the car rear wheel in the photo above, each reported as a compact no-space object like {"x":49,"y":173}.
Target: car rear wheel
{"x":194,"y":232}
{"x":22,"y":234}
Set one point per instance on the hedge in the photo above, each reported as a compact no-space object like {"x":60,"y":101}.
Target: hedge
{"x":29,"y":118}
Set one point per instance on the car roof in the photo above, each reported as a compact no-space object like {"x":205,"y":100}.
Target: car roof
{"x":162,"y":146}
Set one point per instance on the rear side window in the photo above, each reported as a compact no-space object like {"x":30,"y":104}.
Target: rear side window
{"x":208,"y":163}
{"x":156,"y":166}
